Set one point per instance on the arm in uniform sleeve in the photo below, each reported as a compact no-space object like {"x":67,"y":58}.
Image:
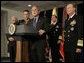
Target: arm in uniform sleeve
{"x":80,"y":32}
{"x":60,"y":33}
{"x":19,"y":22}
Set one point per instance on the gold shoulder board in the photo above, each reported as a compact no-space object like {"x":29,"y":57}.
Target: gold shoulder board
{"x":60,"y":37}
{"x":80,"y":43}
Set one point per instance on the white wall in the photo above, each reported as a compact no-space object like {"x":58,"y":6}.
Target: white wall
{"x":11,"y":13}
{"x":6,"y":15}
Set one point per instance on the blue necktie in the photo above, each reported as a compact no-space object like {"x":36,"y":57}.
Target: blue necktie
{"x":34,"y":23}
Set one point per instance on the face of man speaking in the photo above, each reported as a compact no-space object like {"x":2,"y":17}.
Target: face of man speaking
{"x":35,"y":11}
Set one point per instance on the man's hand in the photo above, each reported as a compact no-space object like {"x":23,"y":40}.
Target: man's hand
{"x":41,"y":32}
{"x":78,"y":50}
{"x":59,"y":42}
{"x":11,"y":39}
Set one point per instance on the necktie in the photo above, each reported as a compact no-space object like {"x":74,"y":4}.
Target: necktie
{"x":34,"y":23}
{"x":69,"y":19}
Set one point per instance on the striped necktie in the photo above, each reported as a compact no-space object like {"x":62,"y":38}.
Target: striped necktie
{"x":34,"y":23}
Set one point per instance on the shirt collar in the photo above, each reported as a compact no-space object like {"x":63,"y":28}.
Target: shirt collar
{"x":36,"y":17}
{"x":54,"y":23}
{"x":72,"y":15}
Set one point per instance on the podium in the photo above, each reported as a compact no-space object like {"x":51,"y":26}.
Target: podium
{"x":23,"y":35}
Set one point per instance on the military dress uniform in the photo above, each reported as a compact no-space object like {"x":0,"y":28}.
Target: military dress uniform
{"x":53,"y":35}
{"x":71,"y":36}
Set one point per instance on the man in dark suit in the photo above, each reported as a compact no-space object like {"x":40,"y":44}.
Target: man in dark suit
{"x":72,"y":34}
{"x":39,"y":43}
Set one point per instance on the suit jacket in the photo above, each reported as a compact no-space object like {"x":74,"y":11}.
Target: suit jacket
{"x":42,"y":23}
{"x":72,"y":33}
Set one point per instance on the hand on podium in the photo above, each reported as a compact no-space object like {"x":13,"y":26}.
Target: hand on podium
{"x":41,"y":32}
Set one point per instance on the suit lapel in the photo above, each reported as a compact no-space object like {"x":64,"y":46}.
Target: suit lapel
{"x":38,"y":22}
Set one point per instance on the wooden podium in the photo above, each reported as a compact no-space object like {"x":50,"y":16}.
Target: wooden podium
{"x":22,"y":31}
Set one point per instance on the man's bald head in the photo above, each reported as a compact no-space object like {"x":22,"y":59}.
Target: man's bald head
{"x":14,"y":19}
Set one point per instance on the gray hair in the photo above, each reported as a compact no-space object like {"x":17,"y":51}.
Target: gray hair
{"x":14,"y":17}
{"x":36,"y":7}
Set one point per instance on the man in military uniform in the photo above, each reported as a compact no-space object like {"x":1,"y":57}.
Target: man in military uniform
{"x":26,"y":19}
{"x":72,"y":34}
{"x":54,"y":32}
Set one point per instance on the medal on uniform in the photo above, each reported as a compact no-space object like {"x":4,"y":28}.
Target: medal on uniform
{"x":57,"y":26}
{"x":56,"y":29}
{"x":73,"y":23}
{"x":68,"y":30}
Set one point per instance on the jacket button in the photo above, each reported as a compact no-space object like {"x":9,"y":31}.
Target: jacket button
{"x":56,"y":30}
{"x":68,"y":35}
{"x":68,"y":40}
{"x":64,"y":31}
{"x":68,"y":30}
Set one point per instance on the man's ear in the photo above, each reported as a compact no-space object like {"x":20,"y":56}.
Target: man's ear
{"x":74,"y":9}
